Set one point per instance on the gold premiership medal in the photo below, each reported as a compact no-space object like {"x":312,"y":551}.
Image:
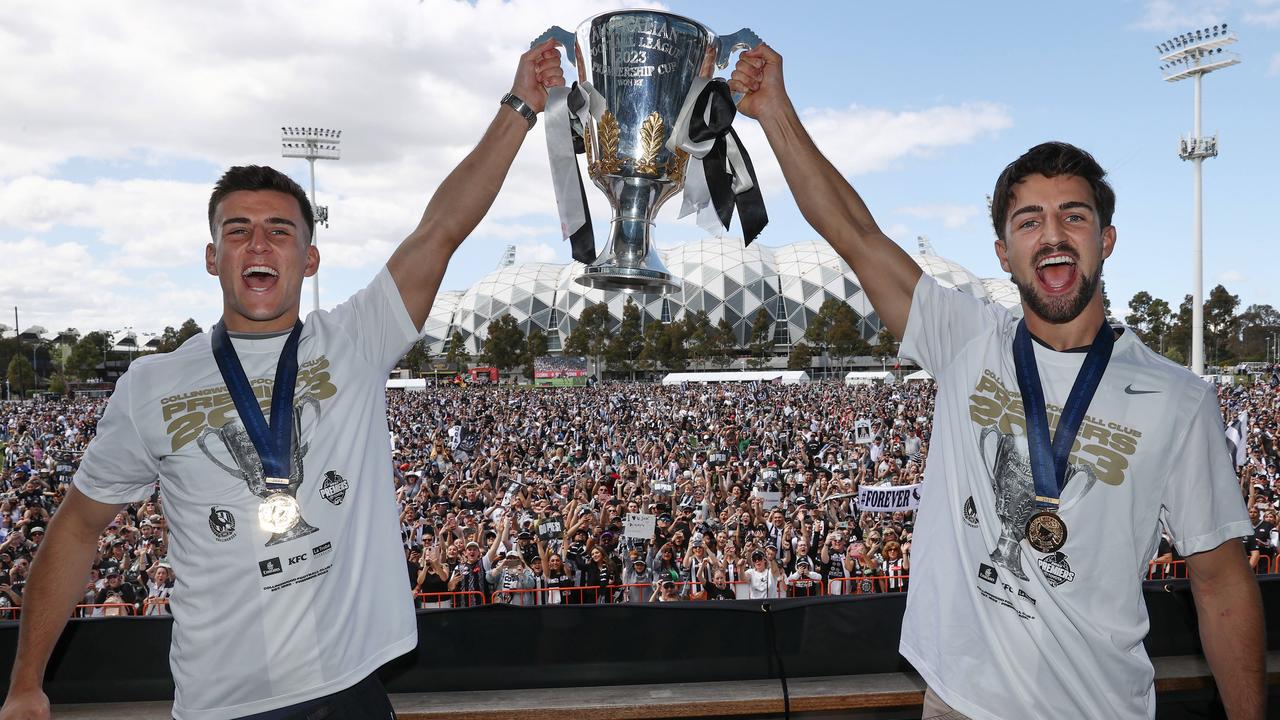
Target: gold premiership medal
{"x":1046,"y":532}
{"x":279,"y":512}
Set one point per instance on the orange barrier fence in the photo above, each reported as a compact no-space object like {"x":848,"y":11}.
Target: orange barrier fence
{"x":104,"y":610}
{"x":155,"y":606}
{"x":461,"y":598}
{"x":868,"y":584}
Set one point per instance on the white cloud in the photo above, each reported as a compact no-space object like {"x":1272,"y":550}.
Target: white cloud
{"x":1233,"y":277}
{"x":860,"y":140}
{"x":103,"y":101}
{"x":1174,"y":16}
{"x":535,"y":252}
{"x":952,"y":216}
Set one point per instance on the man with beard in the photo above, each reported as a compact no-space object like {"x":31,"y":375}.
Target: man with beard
{"x":1009,"y":614}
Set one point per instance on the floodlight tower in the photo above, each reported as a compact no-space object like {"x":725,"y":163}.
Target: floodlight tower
{"x":1194,"y":55}
{"x":312,"y":144}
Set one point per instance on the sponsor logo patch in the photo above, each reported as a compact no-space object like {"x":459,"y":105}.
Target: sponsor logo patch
{"x":270,"y":566}
{"x":988,"y":573}
{"x":321,"y":549}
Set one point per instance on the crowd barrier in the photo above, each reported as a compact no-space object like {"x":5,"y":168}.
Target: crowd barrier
{"x":594,"y":645}
{"x":114,"y":609}
{"x":619,"y":593}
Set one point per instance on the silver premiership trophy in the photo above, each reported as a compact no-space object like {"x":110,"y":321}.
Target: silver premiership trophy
{"x":635,"y":71}
{"x":279,"y":512}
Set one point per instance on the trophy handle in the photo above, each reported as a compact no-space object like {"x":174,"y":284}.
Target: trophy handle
{"x":297,"y":418}
{"x":566,"y":39}
{"x":982,"y":449}
{"x":204,"y":448}
{"x":744,"y":39}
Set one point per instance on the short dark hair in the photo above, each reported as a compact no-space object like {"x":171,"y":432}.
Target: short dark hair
{"x":1052,"y":159}
{"x":260,"y":177}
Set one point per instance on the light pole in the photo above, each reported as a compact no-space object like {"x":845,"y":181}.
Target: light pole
{"x":312,"y":144}
{"x":1193,"y":55}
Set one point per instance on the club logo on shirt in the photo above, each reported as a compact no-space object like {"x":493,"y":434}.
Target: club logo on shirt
{"x":334,"y":487}
{"x":270,"y":566}
{"x":222,"y":524}
{"x":970,"y":513}
{"x":1056,"y":569}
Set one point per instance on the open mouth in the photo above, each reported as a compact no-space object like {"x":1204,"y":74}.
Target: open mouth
{"x":1056,"y":272}
{"x":260,"y":278}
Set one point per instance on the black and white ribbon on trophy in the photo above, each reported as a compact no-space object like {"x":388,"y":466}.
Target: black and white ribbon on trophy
{"x":569,"y":112}
{"x":720,"y":176}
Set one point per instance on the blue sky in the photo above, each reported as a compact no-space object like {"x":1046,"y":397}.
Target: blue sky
{"x":115,"y":124}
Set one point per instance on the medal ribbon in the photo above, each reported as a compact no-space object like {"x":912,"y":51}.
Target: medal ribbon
{"x":1049,"y":461}
{"x":273,"y":442}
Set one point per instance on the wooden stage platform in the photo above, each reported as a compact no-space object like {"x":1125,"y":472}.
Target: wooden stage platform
{"x":879,"y":696}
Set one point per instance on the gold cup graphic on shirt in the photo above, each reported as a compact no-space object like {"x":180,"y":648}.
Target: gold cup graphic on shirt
{"x":279,"y":512}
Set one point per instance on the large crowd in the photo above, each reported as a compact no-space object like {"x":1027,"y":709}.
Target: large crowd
{"x":613,"y":493}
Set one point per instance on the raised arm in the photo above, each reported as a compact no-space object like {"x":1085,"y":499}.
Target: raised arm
{"x":825,"y":198}
{"x":55,"y":585}
{"x":465,"y":196}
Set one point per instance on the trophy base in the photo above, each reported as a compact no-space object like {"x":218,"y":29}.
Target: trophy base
{"x":298,"y":530}
{"x":631,"y":264}
{"x":636,"y":281}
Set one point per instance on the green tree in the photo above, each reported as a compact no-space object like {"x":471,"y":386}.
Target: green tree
{"x":886,"y":345}
{"x":58,"y":384}
{"x":22,"y":377}
{"x":625,"y":346}
{"x":535,"y":346}
{"x":418,"y":357}
{"x":1257,"y":324}
{"x":590,"y":335}
{"x":800,"y":358}
{"x":724,"y":343}
{"x":674,"y":347}
{"x":700,"y":335}
{"x":1137,"y":318}
{"x":504,"y":343}
{"x":456,"y":356}
{"x":171,"y":339}
{"x":87,"y":354}
{"x":1177,"y":346}
{"x":1220,"y":326}
{"x":817,"y":331}
{"x":843,"y":336}
{"x":761,"y":345}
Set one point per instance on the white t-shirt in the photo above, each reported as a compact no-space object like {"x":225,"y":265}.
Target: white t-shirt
{"x":998,"y":629}
{"x":260,"y":626}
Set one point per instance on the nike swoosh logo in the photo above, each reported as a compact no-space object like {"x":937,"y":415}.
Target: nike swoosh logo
{"x":1129,"y":389}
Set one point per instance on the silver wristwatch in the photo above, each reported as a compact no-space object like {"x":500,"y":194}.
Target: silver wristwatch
{"x":521,"y":107}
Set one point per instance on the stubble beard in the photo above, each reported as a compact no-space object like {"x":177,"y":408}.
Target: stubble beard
{"x":1061,"y":309}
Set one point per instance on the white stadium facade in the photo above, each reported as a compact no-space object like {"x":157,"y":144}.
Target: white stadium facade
{"x":718,"y":275}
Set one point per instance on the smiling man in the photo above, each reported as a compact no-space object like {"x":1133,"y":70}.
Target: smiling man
{"x":1060,"y":447}
{"x":267,"y":438}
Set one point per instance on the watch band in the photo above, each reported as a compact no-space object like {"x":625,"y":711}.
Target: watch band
{"x":521,"y":107}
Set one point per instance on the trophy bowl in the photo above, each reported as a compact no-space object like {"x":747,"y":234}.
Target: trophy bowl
{"x":640,"y":65}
